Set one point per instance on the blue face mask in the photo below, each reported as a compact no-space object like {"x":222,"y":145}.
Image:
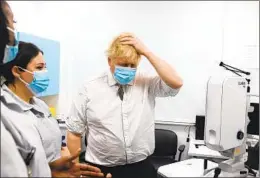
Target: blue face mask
{"x":11,"y":51}
{"x":124,"y":75}
{"x":40,"y":81}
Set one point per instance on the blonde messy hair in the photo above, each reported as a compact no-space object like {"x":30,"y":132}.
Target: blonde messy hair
{"x":118,"y":50}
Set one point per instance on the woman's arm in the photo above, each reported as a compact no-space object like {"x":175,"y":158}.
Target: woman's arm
{"x":59,"y":164}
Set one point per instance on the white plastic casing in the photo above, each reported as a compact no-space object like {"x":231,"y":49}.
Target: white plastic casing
{"x":226,"y":112}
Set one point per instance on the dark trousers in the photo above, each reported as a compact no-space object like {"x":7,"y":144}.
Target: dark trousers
{"x":142,"y":169}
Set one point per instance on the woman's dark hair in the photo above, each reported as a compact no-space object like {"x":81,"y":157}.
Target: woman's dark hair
{"x":4,"y":35}
{"x":27,"y":51}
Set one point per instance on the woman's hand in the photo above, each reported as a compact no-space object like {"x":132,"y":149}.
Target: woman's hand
{"x":65,"y":151}
{"x":84,"y":170}
{"x":66,"y":174}
{"x":68,"y":167}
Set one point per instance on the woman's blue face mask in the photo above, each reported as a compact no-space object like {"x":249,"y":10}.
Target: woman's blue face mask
{"x":11,"y":51}
{"x":39,"y":83}
{"x":124,"y":75}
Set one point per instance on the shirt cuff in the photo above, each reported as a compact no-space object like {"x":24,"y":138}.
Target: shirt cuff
{"x":74,"y":127}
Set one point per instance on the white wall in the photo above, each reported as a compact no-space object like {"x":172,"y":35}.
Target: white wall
{"x":192,"y":36}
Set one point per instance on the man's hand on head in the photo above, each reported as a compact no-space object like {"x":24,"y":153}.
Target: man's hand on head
{"x":164,"y":70}
{"x":131,"y":39}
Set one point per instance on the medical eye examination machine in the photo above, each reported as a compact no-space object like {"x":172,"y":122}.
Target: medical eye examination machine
{"x":226,"y":132}
{"x":227,"y":104}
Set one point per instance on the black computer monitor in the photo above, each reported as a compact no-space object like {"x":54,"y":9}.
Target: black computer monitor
{"x":253,"y":125}
{"x":199,"y":127}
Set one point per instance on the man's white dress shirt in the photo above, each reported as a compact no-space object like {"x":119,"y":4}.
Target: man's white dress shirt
{"x":118,"y":132}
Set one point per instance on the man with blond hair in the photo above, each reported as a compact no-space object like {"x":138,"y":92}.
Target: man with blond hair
{"x":116,"y":111}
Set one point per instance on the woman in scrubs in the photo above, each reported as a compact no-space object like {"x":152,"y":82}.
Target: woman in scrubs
{"x":26,"y":76}
{"x":24,"y":70}
{"x":16,"y":147}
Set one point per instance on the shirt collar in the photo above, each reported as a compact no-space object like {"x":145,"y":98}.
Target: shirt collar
{"x":11,"y":99}
{"x":112,"y":81}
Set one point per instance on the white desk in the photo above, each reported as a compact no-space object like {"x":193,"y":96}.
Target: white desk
{"x":187,"y":168}
{"x":202,"y":151}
